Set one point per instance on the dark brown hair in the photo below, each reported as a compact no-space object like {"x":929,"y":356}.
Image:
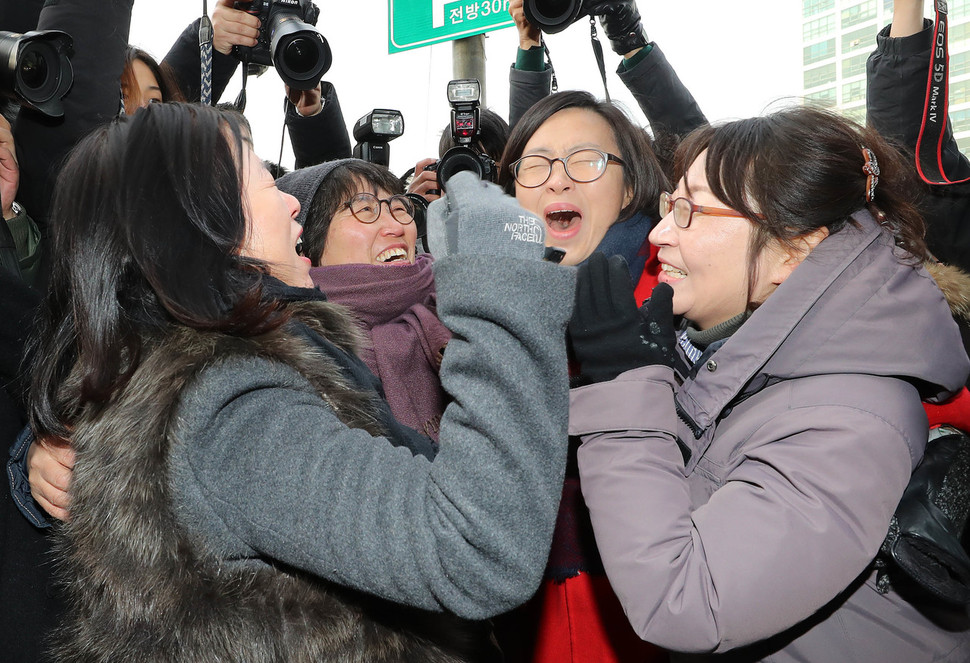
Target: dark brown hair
{"x":162,"y":72}
{"x":339,"y":186}
{"x":642,"y":174}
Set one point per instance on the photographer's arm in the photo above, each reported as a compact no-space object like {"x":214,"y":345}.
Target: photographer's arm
{"x":529,"y":78}
{"x":229,"y":27}
{"x":316,"y":125}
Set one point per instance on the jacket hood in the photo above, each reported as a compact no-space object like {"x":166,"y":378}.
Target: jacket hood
{"x":854,"y":306}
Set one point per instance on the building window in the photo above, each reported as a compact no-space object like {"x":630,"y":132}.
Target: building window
{"x":824,"y":98}
{"x":960,"y":63}
{"x":812,"y":7}
{"x":958,"y":9}
{"x":959,"y":93}
{"x":960,"y":120}
{"x":820,"y":51}
{"x":957,"y":33}
{"x":855,"y":91}
{"x":820,"y":75}
{"x":860,"y":13}
{"x":854,"y":66}
{"x":861,"y":38}
{"x":818,"y":29}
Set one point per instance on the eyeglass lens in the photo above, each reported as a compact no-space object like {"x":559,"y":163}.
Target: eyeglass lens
{"x":582,"y":166}
{"x":366,"y":207}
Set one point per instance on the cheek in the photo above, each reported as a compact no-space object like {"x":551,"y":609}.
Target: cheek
{"x":528,"y":198}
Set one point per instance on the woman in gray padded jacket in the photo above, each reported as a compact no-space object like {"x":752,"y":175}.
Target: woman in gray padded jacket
{"x":741,"y":473}
{"x":240,"y":491}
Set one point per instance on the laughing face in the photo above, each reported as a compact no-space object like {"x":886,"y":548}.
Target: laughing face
{"x":707,"y":263}
{"x":577,"y":214}
{"x":384,"y":242}
{"x":273,"y":235}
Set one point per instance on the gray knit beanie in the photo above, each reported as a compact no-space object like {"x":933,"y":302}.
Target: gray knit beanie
{"x":303,"y":183}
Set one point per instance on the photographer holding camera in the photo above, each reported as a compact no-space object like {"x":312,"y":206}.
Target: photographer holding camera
{"x":314,"y":119}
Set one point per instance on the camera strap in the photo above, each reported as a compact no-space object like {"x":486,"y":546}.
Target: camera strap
{"x":545,"y":49}
{"x":933,"y":129}
{"x":598,"y":52}
{"x":205,"y":56}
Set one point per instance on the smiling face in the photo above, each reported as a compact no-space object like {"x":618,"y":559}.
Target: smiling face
{"x":384,"y":242}
{"x":577,"y":214}
{"x":272,"y":233}
{"x":707,"y":263}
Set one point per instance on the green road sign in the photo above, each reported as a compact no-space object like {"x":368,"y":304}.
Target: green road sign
{"x":416,"y":23}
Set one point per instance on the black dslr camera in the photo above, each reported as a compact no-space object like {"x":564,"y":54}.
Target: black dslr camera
{"x":288,"y":41}
{"x":552,"y":16}
{"x":463,"y":95}
{"x":35,"y":69}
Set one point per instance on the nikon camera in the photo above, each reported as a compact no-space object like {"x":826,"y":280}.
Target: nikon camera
{"x":288,"y":41}
{"x":464,"y":95}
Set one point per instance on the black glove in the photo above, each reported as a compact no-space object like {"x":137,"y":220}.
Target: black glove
{"x":607,"y":333}
{"x":621,"y":20}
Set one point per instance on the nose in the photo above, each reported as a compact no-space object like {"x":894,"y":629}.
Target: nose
{"x":292,"y":203}
{"x":388,"y":224}
{"x":558,"y":179}
{"x":665,"y":232}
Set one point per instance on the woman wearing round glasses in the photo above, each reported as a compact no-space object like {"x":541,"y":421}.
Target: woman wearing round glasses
{"x":582,"y":166}
{"x":742,"y":474}
{"x":360,"y":235}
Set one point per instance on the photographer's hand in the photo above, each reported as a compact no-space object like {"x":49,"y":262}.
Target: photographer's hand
{"x":232,"y":27}
{"x":529,"y":36}
{"x":476,"y":217}
{"x":607,"y":333}
{"x":621,"y":20}
{"x":306,"y":102}
{"x":9,"y":169}
{"x":50,"y":464}
{"x":425,"y":182}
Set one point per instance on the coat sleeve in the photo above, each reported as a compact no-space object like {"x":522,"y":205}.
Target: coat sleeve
{"x":798,"y":518}
{"x":321,"y":137}
{"x":272,"y":470}
{"x":185,"y":63}
{"x":897,"y":73}
{"x":525,"y":89}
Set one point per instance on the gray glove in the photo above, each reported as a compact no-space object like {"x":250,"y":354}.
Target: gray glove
{"x":476,"y":217}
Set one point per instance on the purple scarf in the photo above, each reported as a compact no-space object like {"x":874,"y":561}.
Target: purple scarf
{"x":396,"y":305}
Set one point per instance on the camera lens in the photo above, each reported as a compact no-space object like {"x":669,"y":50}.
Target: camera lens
{"x":33,"y":69}
{"x":553,"y":16}
{"x":300,"y":55}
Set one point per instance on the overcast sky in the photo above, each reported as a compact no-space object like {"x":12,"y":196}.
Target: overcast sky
{"x":737,"y":57}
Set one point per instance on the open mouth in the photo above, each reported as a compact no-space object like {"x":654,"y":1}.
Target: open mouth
{"x":299,"y":246}
{"x":391,"y":256}
{"x":562,"y":219}
{"x":672,"y":271}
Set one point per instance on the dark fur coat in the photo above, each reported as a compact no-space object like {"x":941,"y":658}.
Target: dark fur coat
{"x":142,"y":590}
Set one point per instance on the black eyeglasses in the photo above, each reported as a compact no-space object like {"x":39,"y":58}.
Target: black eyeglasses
{"x":366,"y":208}
{"x":586,"y":165}
{"x":684,"y":210}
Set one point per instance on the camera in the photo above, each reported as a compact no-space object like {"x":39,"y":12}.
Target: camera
{"x":35,"y":69}
{"x":464,"y":95}
{"x":288,"y":41}
{"x":552,"y":16}
{"x":374,"y":131}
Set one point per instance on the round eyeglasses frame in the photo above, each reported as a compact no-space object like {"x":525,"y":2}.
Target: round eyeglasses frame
{"x":606,"y":156}
{"x":668,"y":203}
{"x":375,"y":203}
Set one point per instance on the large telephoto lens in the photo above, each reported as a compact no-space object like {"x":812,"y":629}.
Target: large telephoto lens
{"x":301,"y":55}
{"x":552,"y":16}
{"x":457,"y":159}
{"x":35,"y":69}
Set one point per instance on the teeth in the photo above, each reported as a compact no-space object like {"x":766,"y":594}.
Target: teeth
{"x":672,"y":271}
{"x":299,"y":246}
{"x":392,"y":254}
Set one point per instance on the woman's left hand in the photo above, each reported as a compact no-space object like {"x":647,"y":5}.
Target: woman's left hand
{"x":607,"y":333}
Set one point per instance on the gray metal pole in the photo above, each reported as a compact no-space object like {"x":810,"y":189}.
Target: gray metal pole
{"x":468,"y":60}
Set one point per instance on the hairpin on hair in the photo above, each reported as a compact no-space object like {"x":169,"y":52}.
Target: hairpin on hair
{"x":871,"y":169}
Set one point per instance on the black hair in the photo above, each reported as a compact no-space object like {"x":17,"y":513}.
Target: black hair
{"x":491,"y":140}
{"x":147,"y":220}
{"x":337,"y":188}
{"x":642,"y":173}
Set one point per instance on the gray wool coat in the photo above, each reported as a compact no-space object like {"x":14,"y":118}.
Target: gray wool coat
{"x":802,"y":431}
